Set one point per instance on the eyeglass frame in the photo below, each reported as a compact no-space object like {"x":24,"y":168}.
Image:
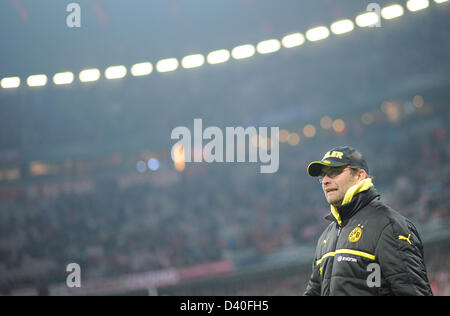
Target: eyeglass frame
{"x":334,"y":169}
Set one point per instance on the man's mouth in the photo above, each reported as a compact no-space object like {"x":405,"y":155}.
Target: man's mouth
{"x":330,"y":190}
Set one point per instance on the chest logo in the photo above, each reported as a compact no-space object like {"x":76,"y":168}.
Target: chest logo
{"x":355,"y":234}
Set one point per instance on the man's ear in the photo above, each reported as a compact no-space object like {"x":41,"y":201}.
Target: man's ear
{"x":362,"y":174}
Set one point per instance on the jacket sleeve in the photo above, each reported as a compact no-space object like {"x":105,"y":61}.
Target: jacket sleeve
{"x":313,"y":288}
{"x":400,"y":255}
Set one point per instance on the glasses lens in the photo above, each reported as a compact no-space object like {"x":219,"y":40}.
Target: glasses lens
{"x":331,"y":173}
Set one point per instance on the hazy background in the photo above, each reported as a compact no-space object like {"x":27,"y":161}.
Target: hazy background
{"x":75,"y":180}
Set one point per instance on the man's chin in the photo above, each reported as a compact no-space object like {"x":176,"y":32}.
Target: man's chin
{"x":334,"y":201}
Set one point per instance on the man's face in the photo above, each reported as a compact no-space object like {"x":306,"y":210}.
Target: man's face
{"x":336,"y":181}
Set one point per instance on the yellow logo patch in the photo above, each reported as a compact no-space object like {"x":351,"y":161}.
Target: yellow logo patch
{"x":405,"y":238}
{"x":355,"y":234}
{"x":333,"y":154}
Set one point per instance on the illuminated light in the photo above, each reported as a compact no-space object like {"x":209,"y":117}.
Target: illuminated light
{"x":317,"y":33}
{"x":293,"y":139}
{"x":167,"y":65}
{"x":178,"y":157}
{"x":37,"y":80}
{"x":392,"y":11}
{"x":141,"y":69}
{"x":13,"y":174}
{"x":243,"y":51}
{"x":367,"y":19}
{"x":264,"y":143}
{"x":367,"y":118}
{"x":293,"y":40}
{"x":89,"y":75}
{"x":115,"y":72}
{"x":218,"y":56}
{"x":283,"y":136}
{"x":391,"y":110}
{"x":326,"y":122}
{"x":338,"y":126}
{"x":418,"y":101}
{"x":10,"y":82}
{"x":180,"y":166}
{"x":268,"y":46}
{"x":141,"y":166}
{"x":38,"y":168}
{"x":193,"y":61}
{"x":417,"y":5}
{"x":309,"y":131}
{"x":387,"y":105}
{"x":261,"y":141}
{"x":254,"y":140}
{"x":178,"y":154}
{"x":63,"y":78}
{"x":342,"y":26}
{"x":153,"y":164}
{"x":440,"y":1}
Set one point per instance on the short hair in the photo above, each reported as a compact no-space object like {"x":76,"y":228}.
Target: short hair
{"x":354,"y":170}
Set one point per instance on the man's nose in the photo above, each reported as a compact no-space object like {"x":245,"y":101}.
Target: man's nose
{"x":326,"y":179}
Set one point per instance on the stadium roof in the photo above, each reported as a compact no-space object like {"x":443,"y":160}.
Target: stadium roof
{"x":36,"y":39}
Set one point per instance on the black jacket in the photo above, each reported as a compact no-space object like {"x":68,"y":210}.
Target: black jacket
{"x":376,"y":251}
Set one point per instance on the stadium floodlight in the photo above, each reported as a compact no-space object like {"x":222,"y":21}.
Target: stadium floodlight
{"x":141,"y":69}
{"x":342,"y":26}
{"x":417,"y":5}
{"x":218,"y":56}
{"x":440,"y":1}
{"x":10,"y":82}
{"x":326,"y":122}
{"x":293,"y":40}
{"x":367,"y":19}
{"x":115,"y":72}
{"x":268,"y":46}
{"x":63,"y":78}
{"x":293,"y":139}
{"x":167,"y":65}
{"x":193,"y":61}
{"x":141,"y":166}
{"x":392,"y":11}
{"x":37,"y":80}
{"x":338,"y":125}
{"x":153,"y":164}
{"x":89,"y":75}
{"x":243,"y":51}
{"x":317,"y":33}
{"x":309,"y":131}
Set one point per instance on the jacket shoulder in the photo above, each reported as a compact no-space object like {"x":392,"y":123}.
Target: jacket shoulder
{"x":386,"y":215}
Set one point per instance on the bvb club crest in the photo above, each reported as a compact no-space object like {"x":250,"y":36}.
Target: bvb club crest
{"x":355,"y":234}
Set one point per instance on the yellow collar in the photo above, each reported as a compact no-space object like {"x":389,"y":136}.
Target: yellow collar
{"x":361,"y":186}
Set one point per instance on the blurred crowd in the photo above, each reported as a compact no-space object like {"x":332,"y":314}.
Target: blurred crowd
{"x":293,"y":282}
{"x":216,"y":211}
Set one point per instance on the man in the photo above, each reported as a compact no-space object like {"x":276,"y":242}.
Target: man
{"x":368,"y":248}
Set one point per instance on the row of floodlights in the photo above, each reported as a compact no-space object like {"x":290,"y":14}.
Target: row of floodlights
{"x":366,"y":19}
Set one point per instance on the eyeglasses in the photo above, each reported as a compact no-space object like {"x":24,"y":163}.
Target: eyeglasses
{"x":333,"y":172}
